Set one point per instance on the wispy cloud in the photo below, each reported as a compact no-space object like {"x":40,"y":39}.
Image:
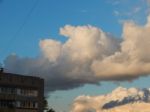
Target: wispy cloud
{"x":130,"y":13}
{"x":148,"y":1}
{"x":117,"y":13}
{"x":116,"y":2}
{"x":136,"y":11}
{"x":84,"y":11}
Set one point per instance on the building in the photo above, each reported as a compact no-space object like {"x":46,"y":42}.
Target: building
{"x":20,"y":93}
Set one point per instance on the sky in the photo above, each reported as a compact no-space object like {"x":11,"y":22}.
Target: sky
{"x":25,"y":24}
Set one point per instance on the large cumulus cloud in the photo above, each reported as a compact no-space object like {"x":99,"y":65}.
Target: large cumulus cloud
{"x":133,"y":58}
{"x":66,"y":65}
{"x":120,"y":100}
{"x":89,"y":55}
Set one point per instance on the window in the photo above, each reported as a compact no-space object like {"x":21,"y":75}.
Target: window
{"x":29,"y":92}
{"x":28,"y":104}
{"x":7,"y":103}
{"x":7,"y":90}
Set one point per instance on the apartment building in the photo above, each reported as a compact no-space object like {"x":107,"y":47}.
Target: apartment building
{"x":20,"y":93}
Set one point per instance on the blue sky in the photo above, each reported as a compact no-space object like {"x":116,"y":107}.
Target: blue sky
{"x":23,"y":23}
{"x":48,"y":16}
{"x":46,"y":19}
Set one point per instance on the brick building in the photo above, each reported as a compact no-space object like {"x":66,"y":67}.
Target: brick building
{"x":20,"y":93}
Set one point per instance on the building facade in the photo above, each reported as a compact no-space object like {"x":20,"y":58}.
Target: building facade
{"x":20,"y":93}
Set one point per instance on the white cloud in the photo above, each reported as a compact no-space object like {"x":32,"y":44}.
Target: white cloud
{"x":133,"y":59}
{"x":120,"y":100}
{"x":51,"y":49}
{"x":90,"y":55}
{"x":87,"y":42}
{"x":148,"y":19}
{"x":67,"y":65}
